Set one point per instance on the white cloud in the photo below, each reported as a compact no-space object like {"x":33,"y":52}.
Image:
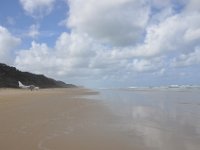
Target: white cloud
{"x":7,"y":44}
{"x":145,"y":65}
{"x":116,"y":22}
{"x":189,"y":59}
{"x":40,"y":57}
{"x":192,"y":34}
{"x":192,"y":5}
{"x":70,"y":52}
{"x":176,"y":34}
{"x":76,"y":55}
{"x":37,"y":8}
{"x":34,"y":31}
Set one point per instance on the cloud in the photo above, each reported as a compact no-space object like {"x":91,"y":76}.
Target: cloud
{"x":34,"y":31}
{"x":115,"y":22}
{"x":145,"y":65}
{"x":7,"y":44}
{"x":176,"y":34}
{"x":38,"y":57}
{"x":78,"y":56}
{"x":157,"y":40}
{"x":192,"y":5}
{"x":70,"y":52}
{"x":37,"y":8}
{"x":189,"y":59}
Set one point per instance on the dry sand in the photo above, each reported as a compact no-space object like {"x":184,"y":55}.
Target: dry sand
{"x":57,"y":119}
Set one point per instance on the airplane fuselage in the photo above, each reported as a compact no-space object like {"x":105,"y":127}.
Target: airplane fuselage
{"x":31,"y":87}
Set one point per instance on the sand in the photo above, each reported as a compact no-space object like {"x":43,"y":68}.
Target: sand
{"x":56,"y":119}
{"x":82,"y":119}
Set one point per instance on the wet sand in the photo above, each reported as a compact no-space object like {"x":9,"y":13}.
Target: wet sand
{"x":81,"y":119}
{"x":157,"y":119}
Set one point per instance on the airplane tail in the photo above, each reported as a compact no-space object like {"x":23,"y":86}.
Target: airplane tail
{"x":20,"y":84}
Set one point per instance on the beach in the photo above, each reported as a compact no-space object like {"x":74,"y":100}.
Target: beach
{"x":83,"y":119}
{"x":51,"y":119}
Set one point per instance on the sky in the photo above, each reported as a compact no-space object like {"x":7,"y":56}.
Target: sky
{"x":107,"y":43}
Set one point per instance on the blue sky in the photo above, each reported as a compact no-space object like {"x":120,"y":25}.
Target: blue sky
{"x":107,"y":43}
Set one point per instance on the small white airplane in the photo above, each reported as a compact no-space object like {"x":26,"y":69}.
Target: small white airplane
{"x":31,"y":87}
